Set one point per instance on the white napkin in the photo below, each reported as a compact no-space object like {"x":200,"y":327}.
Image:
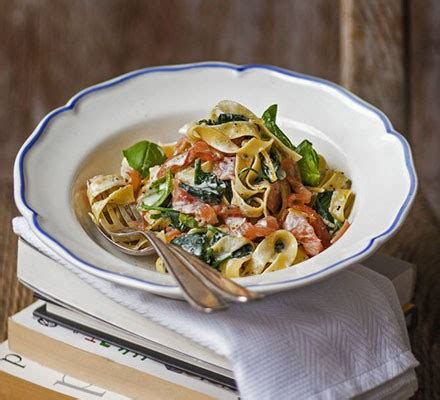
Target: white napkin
{"x":341,"y":338}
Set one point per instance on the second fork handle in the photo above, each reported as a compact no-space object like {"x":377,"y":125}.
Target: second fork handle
{"x":223,"y":286}
{"x":196,"y":292}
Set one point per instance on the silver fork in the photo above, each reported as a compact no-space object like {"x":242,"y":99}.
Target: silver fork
{"x":204,"y":287}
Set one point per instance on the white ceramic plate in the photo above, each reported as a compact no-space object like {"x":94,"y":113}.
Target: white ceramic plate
{"x":87,"y":135}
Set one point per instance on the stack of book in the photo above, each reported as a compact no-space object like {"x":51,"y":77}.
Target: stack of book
{"x":74,"y":342}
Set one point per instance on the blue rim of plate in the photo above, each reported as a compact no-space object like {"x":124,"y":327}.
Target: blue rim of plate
{"x":70,"y":105}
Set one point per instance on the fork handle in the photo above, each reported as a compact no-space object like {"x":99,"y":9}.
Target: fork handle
{"x":196,"y":292}
{"x":221,"y":285}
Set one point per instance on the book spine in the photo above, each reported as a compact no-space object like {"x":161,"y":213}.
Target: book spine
{"x":112,"y":367}
{"x":21,"y":378}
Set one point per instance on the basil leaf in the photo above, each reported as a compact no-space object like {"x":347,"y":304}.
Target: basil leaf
{"x":144,"y":155}
{"x":158,"y":192}
{"x":269,"y":118}
{"x":309,"y":164}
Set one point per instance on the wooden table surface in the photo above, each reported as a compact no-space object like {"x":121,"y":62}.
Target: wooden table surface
{"x":51,"y":49}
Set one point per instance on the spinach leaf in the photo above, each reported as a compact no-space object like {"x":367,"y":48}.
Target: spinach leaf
{"x":226,"y":117}
{"x":228,"y":192}
{"x":338,"y":225}
{"x":144,"y":155}
{"x":208,"y":187}
{"x":265,"y":170}
{"x":206,"y":122}
{"x":241,"y":252}
{"x":188,"y":221}
{"x":223,"y":119}
{"x":213,"y":235}
{"x":264,"y":173}
{"x":200,"y":176}
{"x":309,"y":164}
{"x":269,"y":118}
{"x":197,"y":243}
{"x":276,"y":162}
{"x":217,"y":234}
{"x":206,"y":194}
{"x":279,"y":246}
{"x":200,"y":241}
{"x":158,"y":192}
{"x":321,"y":206}
{"x":193,"y":243}
{"x":178,"y":220}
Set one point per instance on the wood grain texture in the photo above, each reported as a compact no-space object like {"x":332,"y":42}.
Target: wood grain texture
{"x":372,"y":54}
{"x":372,"y":65}
{"x":424,"y":92}
{"x":424,"y":48}
{"x":13,"y":295}
{"x":418,"y":241}
{"x":50,"y":49}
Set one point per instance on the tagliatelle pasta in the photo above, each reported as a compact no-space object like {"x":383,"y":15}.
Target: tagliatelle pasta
{"x":233,"y":191}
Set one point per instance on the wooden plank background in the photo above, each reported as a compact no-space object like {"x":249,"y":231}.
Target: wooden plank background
{"x":387,"y":51}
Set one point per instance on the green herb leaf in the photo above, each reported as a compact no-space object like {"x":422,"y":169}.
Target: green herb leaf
{"x":217,"y":234}
{"x":241,"y":252}
{"x":199,"y":242}
{"x":193,"y":243}
{"x":206,"y":194}
{"x":269,"y":118}
{"x":321,"y":206}
{"x":208,"y":187}
{"x":178,"y":220}
{"x":158,"y":192}
{"x":228,"y":192}
{"x":144,"y":155}
{"x":200,"y":176}
{"x":309,"y":164}
{"x":276,"y":162}
{"x":223,"y":119}
{"x":226,"y":117}
{"x":265,"y":170}
{"x":279,"y":246}
{"x":188,"y":221}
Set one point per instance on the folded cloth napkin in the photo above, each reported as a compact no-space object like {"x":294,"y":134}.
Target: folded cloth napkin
{"x":341,"y":338}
